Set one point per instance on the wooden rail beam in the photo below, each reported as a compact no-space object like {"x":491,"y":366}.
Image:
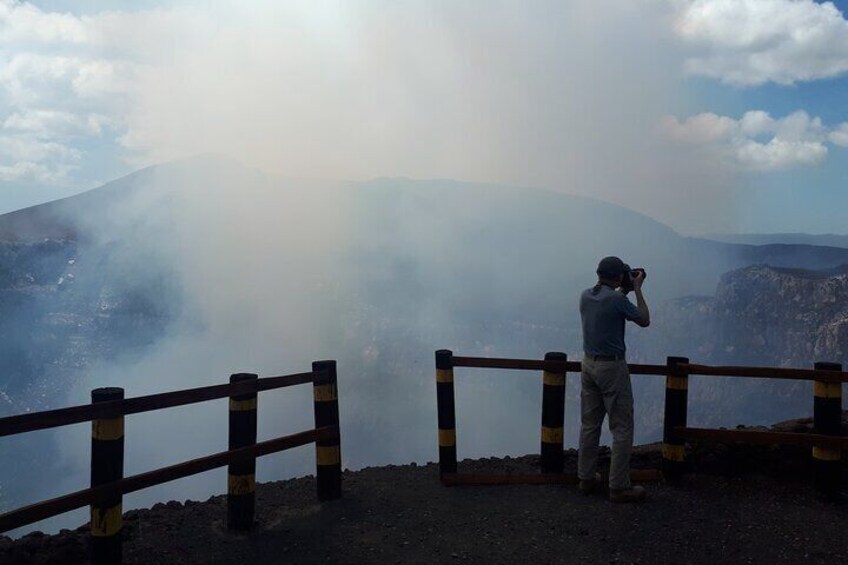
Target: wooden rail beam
{"x":520,"y":364}
{"x":762,"y":438}
{"x":59,"y":505}
{"x":643,"y":369}
{"x":495,"y":479}
{"x":21,"y":423}
{"x":637,"y":369}
{"x":767,"y":373}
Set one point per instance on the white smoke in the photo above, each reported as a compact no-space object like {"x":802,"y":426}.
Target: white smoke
{"x":563,"y":95}
{"x":560,"y":95}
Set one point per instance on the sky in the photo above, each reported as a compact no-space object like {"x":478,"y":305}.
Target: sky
{"x":708,"y":115}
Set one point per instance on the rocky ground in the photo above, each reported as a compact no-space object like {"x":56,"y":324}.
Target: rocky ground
{"x":743,"y":505}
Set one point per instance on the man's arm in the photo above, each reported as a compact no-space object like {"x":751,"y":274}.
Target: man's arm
{"x":645,"y":318}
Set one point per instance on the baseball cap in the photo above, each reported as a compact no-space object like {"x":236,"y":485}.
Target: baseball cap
{"x":611,"y":266}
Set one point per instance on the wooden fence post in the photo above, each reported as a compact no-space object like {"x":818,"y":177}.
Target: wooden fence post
{"x":553,"y":415}
{"x":107,"y":465}
{"x":241,"y":484}
{"x":328,"y":453}
{"x":676,"y":399}
{"x":827,"y":420}
{"x":446,"y":411}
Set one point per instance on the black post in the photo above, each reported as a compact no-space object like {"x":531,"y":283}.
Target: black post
{"x":676,"y":399}
{"x":553,"y":415}
{"x":446,"y":411}
{"x":827,"y":420}
{"x":107,"y":465}
{"x":241,"y":484}
{"x":328,"y":453}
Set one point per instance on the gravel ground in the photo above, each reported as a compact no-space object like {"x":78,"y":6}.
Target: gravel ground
{"x":736,"y":509}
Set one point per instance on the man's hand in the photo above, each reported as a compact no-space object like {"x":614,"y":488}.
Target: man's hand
{"x":639,"y":279}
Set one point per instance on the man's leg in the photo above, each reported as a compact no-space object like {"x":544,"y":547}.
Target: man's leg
{"x":592,"y":417}
{"x":618,"y":400}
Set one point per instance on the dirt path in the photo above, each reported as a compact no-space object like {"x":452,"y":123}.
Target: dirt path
{"x":402,"y":514}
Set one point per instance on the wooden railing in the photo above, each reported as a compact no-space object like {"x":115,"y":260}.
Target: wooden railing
{"x":108,"y":484}
{"x":826,"y":440}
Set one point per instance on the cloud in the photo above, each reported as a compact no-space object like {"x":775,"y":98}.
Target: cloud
{"x":27,"y":158}
{"x":54,"y":124}
{"x":757,"y":141}
{"x":780,"y":154}
{"x":752,"y":42}
{"x":27,"y":23}
{"x":58,"y":87}
{"x":29,"y":149}
{"x":46,"y":116}
{"x":27,"y":170}
{"x":37,"y":146}
{"x":839,"y":135}
{"x":65,"y":79}
{"x":33,"y":79}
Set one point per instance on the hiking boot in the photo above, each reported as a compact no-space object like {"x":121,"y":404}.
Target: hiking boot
{"x":632,"y":494}
{"x":588,"y":486}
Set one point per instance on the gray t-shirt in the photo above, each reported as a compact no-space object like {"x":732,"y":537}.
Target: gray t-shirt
{"x":603,"y":311}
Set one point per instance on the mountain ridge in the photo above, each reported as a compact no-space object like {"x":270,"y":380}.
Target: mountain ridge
{"x":826,"y":240}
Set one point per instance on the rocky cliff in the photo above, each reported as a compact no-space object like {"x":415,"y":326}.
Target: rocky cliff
{"x":759,"y":316}
{"x":762,"y":315}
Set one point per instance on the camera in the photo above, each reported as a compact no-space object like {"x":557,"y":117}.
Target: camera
{"x":627,"y":278}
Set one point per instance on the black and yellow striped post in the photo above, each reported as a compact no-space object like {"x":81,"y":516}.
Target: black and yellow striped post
{"x":446,"y":411}
{"x":328,"y":455}
{"x":676,"y":401}
{"x":827,"y":420}
{"x":107,"y":465}
{"x":553,"y":415}
{"x":241,"y":483}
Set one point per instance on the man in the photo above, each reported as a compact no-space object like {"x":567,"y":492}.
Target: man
{"x":605,"y":378}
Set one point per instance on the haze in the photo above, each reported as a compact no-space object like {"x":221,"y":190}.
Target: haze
{"x":693,"y":113}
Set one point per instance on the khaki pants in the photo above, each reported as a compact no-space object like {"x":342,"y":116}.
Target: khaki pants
{"x":606,"y":390}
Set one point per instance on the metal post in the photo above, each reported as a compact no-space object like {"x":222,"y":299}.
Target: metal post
{"x":241,"y":484}
{"x":327,"y":451}
{"x":676,"y":399}
{"x":107,"y":465}
{"x":446,"y":411}
{"x":827,"y":420}
{"x":553,"y":415}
